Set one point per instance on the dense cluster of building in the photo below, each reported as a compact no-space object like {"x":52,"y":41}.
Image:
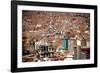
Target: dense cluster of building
{"x":53,"y":36}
